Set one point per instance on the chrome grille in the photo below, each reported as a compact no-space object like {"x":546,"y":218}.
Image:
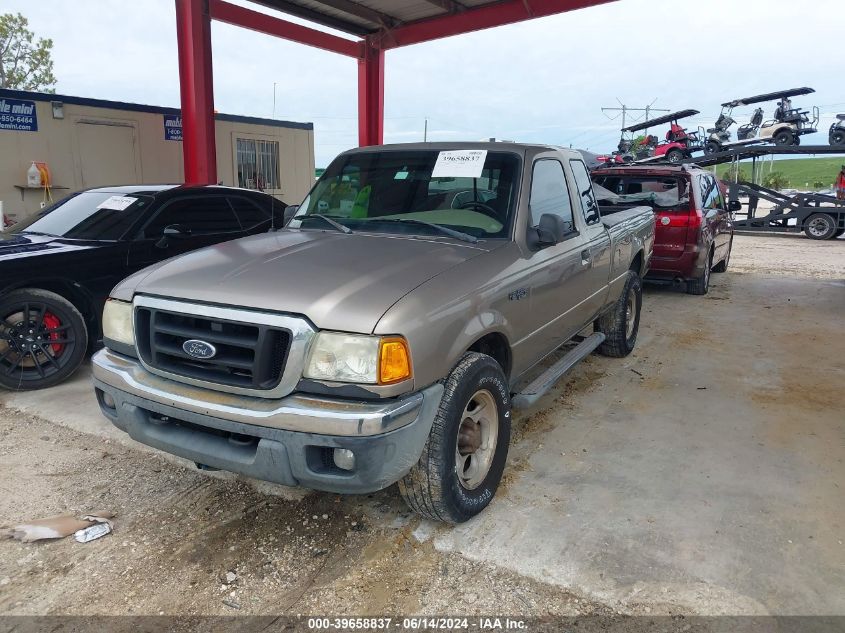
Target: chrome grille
{"x":256,"y":353}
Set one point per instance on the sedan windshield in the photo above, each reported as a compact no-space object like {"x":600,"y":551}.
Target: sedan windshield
{"x":399,"y":191}
{"x":90,"y":215}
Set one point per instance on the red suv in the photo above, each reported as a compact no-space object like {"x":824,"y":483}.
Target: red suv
{"x":694,"y":224}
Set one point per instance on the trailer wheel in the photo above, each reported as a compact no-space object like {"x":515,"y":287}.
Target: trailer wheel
{"x":701,"y":284}
{"x":820,"y":226}
{"x":622,"y":322}
{"x":463,"y":459}
{"x":784,"y":137}
{"x":674,"y":156}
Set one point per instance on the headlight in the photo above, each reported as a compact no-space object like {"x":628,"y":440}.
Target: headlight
{"x":339,"y":357}
{"x":117,"y":322}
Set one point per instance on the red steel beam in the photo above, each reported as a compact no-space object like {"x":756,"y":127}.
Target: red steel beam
{"x":485,"y":17}
{"x":239,"y":16}
{"x":371,"y":96}
{"x":193,"y":35}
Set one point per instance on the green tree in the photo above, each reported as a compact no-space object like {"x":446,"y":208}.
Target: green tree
{"x":776,"y":180}
{"x":25,"y":64}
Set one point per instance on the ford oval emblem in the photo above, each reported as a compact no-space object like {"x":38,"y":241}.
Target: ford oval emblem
{"x":199,"y":349}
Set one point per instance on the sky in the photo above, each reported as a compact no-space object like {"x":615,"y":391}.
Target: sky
{"x":544,"y":80}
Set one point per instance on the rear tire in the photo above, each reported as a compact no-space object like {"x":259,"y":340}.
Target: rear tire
{"x":784,"y":137}
{"x":712,"y":147}
{"x":820,"y":226}
{"x":701,"y":284}
{"x":621,"y":323}
{"x":462,"y":462}
{"x":43,"y":339}
{"x":837,"y":138}
{"x":722,"y":266}
{"x":839,"y":233}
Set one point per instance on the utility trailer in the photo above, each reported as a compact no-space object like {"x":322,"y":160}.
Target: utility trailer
{"x":819,"y":216}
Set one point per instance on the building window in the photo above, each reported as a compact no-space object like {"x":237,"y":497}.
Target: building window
{"x":258,"y":164}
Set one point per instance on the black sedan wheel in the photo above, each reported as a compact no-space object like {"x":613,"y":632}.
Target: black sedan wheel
{"x":43,"y":339}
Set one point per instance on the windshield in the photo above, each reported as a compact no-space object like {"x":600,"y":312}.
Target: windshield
{"x":90,"y":215}
{"x":397,"y":192}
{"x":656,"y":191}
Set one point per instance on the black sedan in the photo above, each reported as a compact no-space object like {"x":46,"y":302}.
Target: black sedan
{"x":56,"y":269}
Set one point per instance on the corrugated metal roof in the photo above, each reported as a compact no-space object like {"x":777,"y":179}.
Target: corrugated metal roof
{"x":365,"y":17}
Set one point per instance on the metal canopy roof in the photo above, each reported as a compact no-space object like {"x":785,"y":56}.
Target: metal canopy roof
{"x":371,"y":17}
{"x":769,"y":96}
{"x":682,"y":114}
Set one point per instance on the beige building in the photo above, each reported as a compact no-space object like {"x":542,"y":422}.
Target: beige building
{"x":92,"y":143}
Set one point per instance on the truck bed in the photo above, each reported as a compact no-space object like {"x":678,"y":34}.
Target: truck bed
{"x":611,"y":215}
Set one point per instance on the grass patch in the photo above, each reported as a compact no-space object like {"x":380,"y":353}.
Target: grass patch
{"x":801,"y":172}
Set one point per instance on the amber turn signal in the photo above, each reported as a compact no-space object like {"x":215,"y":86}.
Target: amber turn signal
{"x":394,"y":361}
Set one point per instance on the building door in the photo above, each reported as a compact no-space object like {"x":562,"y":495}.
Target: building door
{"x":108,"y":153}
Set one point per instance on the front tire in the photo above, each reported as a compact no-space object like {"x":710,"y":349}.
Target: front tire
{"x":820,"y":226}
{"x":43,"y":339}
{"x":674,"y":156}
{"x":712,"y":147}
{"x":462,"y":462}
{"x":621,"y":324}
{"x":837,"y":138}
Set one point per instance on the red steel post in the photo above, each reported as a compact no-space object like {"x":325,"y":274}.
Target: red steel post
{"x":371,"y":95}
{"x":193,"y":36}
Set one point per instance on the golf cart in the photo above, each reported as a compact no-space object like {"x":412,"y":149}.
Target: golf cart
{"x":836,"y":136}
{"x":790,"y":124}
{"x":678,"y":144}
{"x":786,"y":123}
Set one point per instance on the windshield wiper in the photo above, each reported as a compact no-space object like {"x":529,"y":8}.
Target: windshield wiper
{"x":340,"y":227}
{"x":458,"y":235}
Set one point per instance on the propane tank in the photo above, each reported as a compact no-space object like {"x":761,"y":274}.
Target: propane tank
{"x":33,"y":176}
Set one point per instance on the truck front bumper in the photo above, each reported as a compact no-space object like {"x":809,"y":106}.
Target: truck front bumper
{"x":290,"y":441}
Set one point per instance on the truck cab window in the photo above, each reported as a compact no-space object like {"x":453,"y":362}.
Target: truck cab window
{"x":589,"y":206}
{"x":549,"y":192}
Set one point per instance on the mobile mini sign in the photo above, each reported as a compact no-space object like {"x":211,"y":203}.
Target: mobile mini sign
{"x":18,"y":115}
{"x":172,"y":127}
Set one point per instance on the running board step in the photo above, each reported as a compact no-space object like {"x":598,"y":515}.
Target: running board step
{"x":538,"y":387}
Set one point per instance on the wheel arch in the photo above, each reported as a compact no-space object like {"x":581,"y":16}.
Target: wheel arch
{"x":496,"y":345}
{"x":67,"y":289}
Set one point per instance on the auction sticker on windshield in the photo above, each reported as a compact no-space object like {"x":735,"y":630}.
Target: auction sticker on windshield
{"x":117,"y":203}
{"x":460,"y":164}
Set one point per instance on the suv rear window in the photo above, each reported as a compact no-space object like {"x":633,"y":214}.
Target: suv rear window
{"x":662,"y":192}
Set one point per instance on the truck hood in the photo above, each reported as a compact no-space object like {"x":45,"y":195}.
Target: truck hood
{"x":338,"y":281}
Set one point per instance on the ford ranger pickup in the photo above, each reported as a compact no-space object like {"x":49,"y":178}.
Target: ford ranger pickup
{"x":385,"y":333}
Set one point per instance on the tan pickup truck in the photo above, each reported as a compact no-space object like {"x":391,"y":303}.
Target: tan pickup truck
{"x":385,"y":333}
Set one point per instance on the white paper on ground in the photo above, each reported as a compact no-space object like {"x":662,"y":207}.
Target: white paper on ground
{"x":465,"y":163}
{"x":93,"y":532}
{"x":117,"y":203}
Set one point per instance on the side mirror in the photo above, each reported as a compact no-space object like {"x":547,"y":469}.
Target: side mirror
{"x":176,"y":230}
{"x":290,"y":212}
{"x":172,"y":231}
{"x":734,"y":206}
{"x":550,"y":231}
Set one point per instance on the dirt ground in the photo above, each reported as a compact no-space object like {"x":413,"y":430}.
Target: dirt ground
{"x":188,"y":543}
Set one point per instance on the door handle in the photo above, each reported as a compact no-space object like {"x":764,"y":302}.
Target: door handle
{"x":586,"y":258}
